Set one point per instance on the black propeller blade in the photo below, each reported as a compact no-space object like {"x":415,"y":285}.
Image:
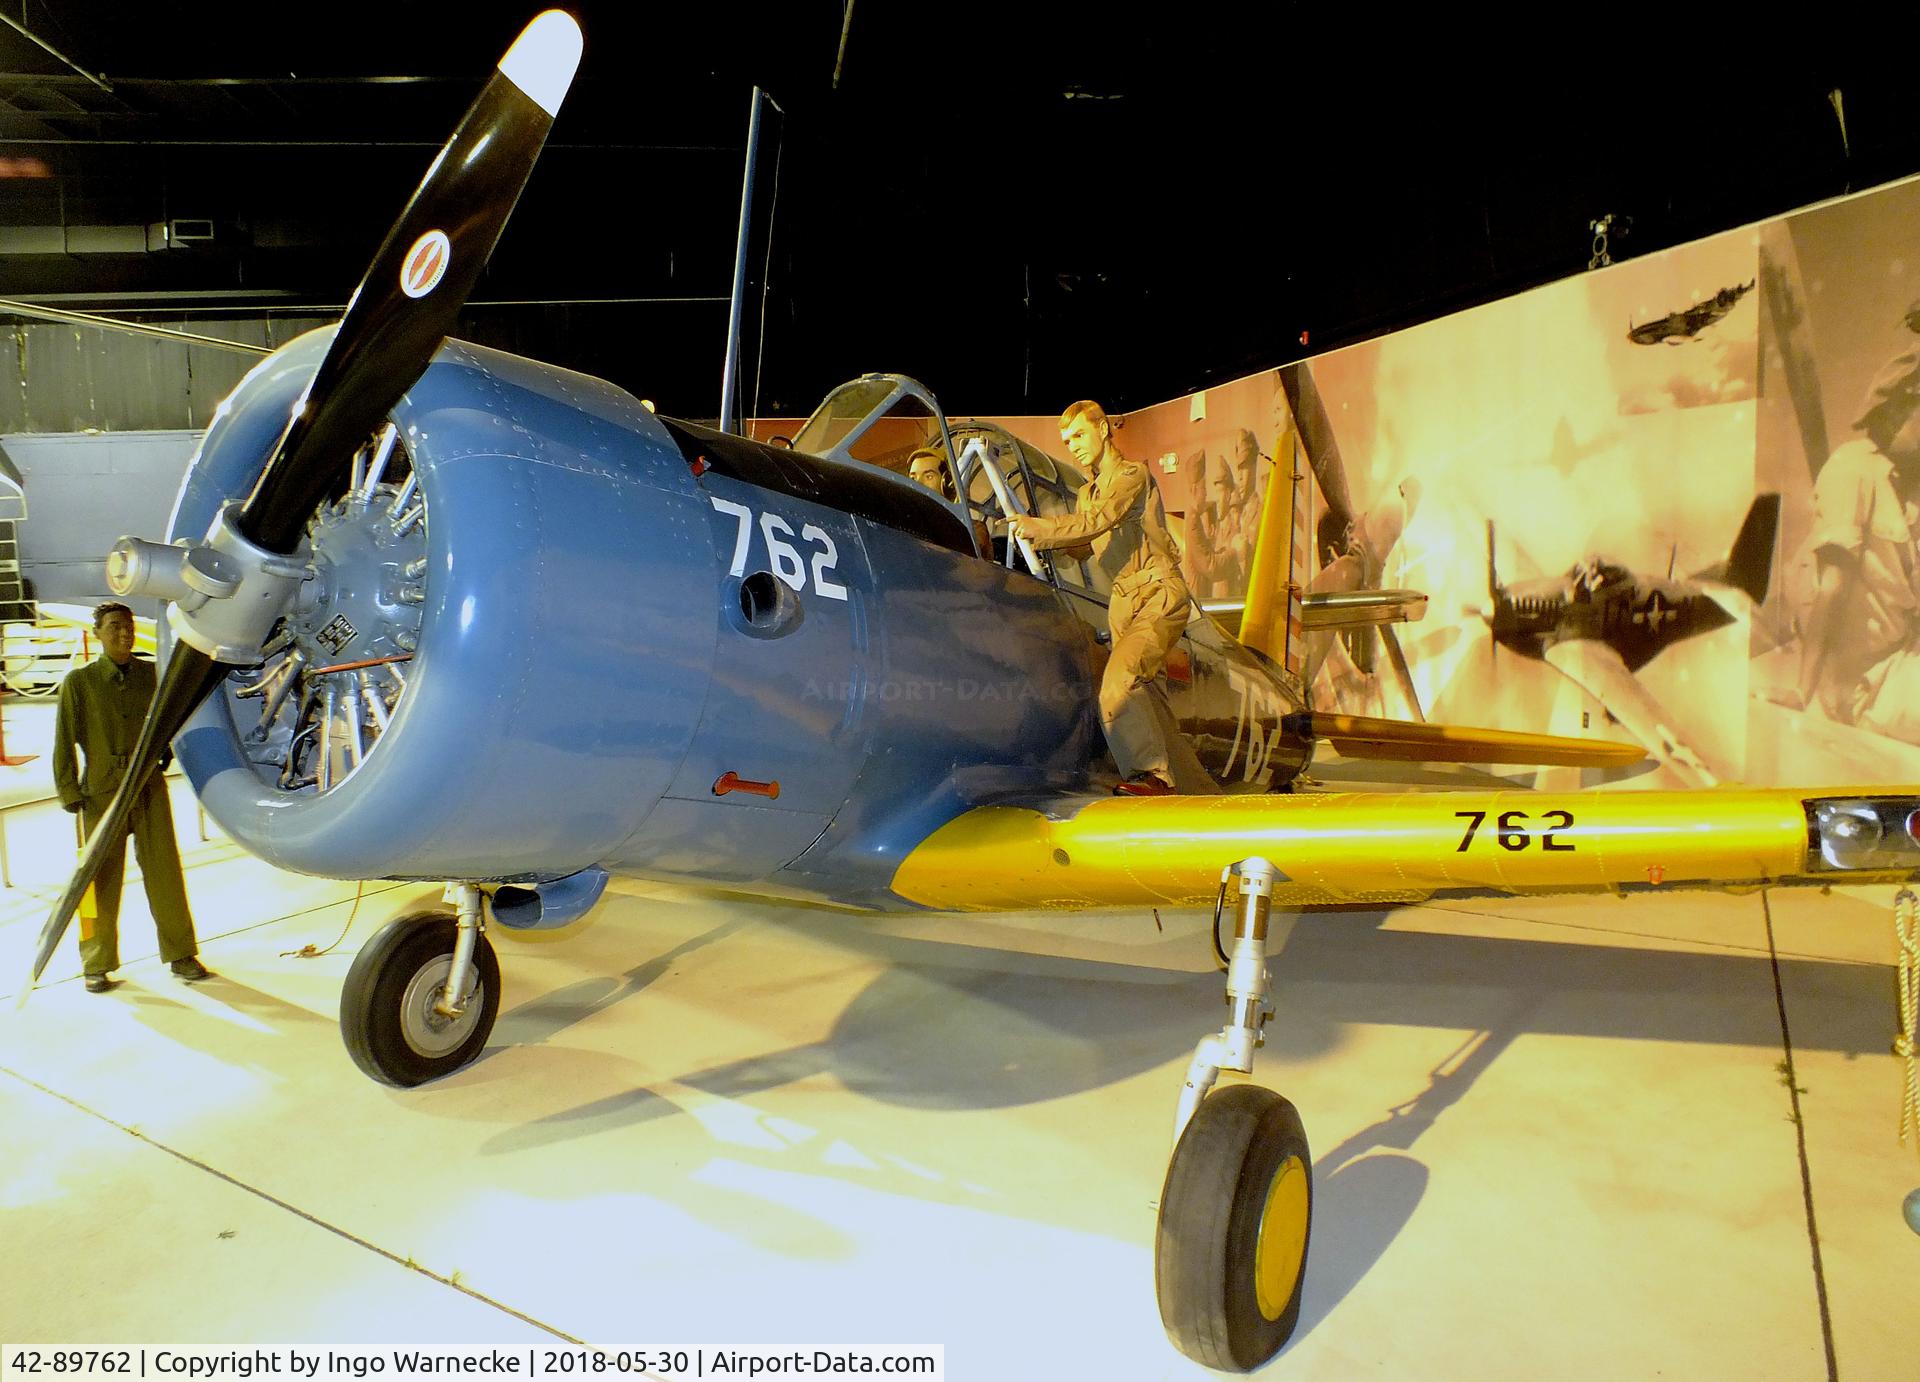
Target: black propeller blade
{"x":1493,"y":572}
{"x":419,"y":279}
{"x":1493,"y":602}
{"x":396,"y":319}
{"x":1402,"y":673}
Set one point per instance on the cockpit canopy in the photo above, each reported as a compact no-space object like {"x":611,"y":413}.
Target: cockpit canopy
{"x":884,"y":419}
{"x":877,"y":419}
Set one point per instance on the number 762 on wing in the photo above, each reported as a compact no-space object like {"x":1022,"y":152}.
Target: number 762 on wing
{"x":1511,"y":829}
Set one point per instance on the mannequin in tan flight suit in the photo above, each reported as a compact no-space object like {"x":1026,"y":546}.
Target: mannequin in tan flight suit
{"x":1120,"y":512}
{"x":102,"y":707}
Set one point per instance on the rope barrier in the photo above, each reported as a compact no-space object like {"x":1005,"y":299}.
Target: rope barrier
{"x":1906,"y":1042}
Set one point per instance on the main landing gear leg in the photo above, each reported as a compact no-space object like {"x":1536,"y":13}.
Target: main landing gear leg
{"x":1231,"y":1248}
{"x":422,"y":995}
{"x":471,"y":919}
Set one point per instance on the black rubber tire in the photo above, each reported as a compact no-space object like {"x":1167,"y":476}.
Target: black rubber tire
{"x":371,"y":1003}
{"x":1205,"y":1251}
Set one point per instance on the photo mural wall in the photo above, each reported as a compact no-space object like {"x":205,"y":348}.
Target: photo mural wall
{"x":1671,"y":501}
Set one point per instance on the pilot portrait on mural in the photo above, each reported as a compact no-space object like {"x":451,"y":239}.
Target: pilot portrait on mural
{"x":1226,"y":519}
{"x":1857,"y":578}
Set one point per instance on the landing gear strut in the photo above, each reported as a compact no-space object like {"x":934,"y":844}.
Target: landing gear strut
{"x":1230,"y":1250}
{"x":422,"y":995}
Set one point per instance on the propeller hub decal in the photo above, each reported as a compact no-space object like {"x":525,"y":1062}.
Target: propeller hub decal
{"x":425,"y":264}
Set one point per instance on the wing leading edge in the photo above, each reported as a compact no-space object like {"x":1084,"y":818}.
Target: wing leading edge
{"x":1368,"y":848}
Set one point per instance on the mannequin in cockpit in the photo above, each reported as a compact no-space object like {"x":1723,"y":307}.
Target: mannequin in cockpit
{"x":927,"y":467}
{"x":1120,"y":513}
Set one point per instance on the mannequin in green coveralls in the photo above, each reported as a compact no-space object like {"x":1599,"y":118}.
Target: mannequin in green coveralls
{"x":102,"y":706}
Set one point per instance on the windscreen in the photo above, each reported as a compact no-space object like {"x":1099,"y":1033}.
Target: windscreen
{"x":840,"y":413}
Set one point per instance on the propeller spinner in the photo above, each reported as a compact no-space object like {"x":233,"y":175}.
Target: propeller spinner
{"x":227,"y":592}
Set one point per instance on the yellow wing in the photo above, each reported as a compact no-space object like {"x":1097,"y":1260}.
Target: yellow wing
{"x":1364,"y":847}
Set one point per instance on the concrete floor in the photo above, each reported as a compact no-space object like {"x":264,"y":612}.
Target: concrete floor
{"x":1552,"y":1137}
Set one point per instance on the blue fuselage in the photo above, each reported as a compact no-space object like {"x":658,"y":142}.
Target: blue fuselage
{"x":662,"y":651}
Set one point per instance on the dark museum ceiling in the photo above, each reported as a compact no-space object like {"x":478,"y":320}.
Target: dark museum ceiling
{"x":1020,"y":205}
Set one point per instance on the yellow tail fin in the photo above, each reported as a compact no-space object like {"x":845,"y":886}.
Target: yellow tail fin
{"x":1272,"y":601}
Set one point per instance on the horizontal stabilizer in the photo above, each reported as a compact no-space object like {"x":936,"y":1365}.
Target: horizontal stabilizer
{"x":1334,"y":609}
{"x":1361,"y":736}
{"x":1228,"y":614}
{"x":1353,"y":609}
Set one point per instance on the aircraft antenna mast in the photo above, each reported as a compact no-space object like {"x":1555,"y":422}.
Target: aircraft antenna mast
{"x":730,"y":369}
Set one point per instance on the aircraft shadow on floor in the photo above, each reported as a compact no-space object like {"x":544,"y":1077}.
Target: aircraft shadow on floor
{"x":946,"y":1026}
{"x":951,"y":1026}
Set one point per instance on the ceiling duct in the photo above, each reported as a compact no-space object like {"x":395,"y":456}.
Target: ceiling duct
{"x":180,"y":233}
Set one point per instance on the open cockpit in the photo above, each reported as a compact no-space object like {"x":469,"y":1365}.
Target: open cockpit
{"x":978,"y":468}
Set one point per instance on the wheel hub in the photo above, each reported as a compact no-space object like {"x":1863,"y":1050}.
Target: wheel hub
{"x":428,"y":1031}
{"x":1280,"y":1249}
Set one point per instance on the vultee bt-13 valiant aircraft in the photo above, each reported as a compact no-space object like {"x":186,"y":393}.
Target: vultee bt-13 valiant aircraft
{"x":440,"y":613}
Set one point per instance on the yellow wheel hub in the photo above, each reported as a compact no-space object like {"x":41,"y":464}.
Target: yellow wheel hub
{"x":1281,"y":1248}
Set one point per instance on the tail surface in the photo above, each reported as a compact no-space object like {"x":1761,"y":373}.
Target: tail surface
{"x":1750,"y":563}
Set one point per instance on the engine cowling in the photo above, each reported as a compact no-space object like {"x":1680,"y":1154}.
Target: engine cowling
{"x":564,"y":539}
